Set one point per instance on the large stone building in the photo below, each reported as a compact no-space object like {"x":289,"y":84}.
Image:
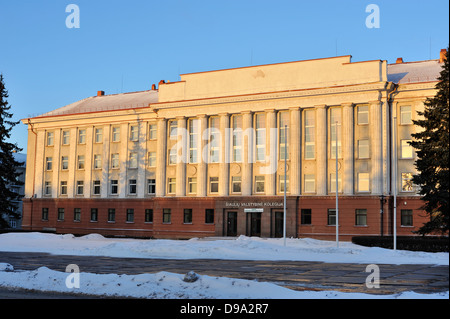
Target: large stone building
{"x":205,"y":156}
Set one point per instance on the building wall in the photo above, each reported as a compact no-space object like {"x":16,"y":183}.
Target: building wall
{"x":138,"y":146}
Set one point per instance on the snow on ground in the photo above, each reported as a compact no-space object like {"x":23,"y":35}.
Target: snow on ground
{"x":165,"y":285}
{"x":170,"y":285}
{"x":243,"y":248}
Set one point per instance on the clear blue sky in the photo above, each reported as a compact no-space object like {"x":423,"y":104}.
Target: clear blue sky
{"x":124,"y":46}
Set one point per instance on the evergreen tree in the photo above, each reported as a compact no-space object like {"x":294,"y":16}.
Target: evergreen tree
{"x":8,"y":164}
{"x":432,"y":145}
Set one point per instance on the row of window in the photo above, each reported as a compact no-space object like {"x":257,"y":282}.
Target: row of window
{"x":237,"y":136}
{"x":129,"y":215}
{"x":406,"y":217}
{"x":363,"y":185}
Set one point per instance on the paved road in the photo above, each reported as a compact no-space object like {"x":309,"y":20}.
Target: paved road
{"x":292,"y":274}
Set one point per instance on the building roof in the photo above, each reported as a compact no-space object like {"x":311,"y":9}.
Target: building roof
{"x":414,"y":72}
{"x":111,"y":102}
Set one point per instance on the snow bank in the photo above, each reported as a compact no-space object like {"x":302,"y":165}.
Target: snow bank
{"x":165,"y":285}
{"x":242,"y":248}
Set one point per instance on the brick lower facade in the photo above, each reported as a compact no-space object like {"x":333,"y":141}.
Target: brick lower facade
{"x":173,"y":217}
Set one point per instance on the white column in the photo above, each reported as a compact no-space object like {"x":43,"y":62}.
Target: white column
{"x":271,"y":151}
{"x":224,"y":154}
{"x":71,"y":183}
{"x":348,"y":148}
{"x":247,"y":158}
{"x":142,"y":156}
{"x":161,"y":145}
{"x":56,"y":163}
{"x":182,"y":156}
{"x":321,"y":162}
{"x":123,"y":159}
{"x":202,"y":165}
{"x":39,"y":168}
{"x":376,"y":144}
{"x":295,"y":151}
{"x":105,"y":160}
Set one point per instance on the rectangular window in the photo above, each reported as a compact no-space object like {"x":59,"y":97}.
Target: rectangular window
{"x":214,"y":184}
{"x":134,"y":133}
{"x":335,"y":132}
{"x":214,"y":140}
{"x":173,"y":129}
{"x":259,"y":184}
{"x":281,"y":184}
{"x":152,"y":159}
{"x":94,"y":214}
{"x":362,"y":115}
{"x":187,"y":216}
{"x":97,"y":188}
{"x":82,"y":136}
{"x":260,"y":138}
{"x":361,"y":217}
{"x":130,"y":215}
{"x":310,"y":134}
{"x":333,"y":183}
{"x":151,"y":186}
{"x":172,"y":186}
{"x":306,"y":216}
{"x":407,"y":184}
{"x":406,"y":149}
{"x":192,"y":185}
{"x":65,"y":162}
{"x":111,"y":214}
{"x":60,"y":214}
{"x":363,"y":149}
{"x":193,"y":140}
{"x":44,"y":214}
{"x":97,"y":161}
{"x":363,"y":182}
{"x":63,"y":187}
{"x":48,"y":188}
{"x":406,"y":115}
{"x":133,"y":163}
{"x":115,"y":161}
{"x":284,"y":135}
{"x":132,"y":187}
{"x":98,"y":135}
{"x":114,"y":187}
{"x":236,"y":184}
{"x":331,"y":218}
{"x":77,"y":214}
{"x":149,"y":215}
{"x":80,"y":161}
{"x":152,"y":132}
{"x":406,"y":217}
{"x":65,"y":138}
{"x":80,"y":187}
{"x":167,"y":215}
{"x":115,"y":134}
{"x":50,"y":138}
{"x":173,"y":156}
{"x":310,"y":183}
{"x":237,"y":138}
{"x":48,"y":163}
{"x":209,"y":216}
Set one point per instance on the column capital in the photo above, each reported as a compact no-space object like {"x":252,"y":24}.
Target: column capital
{"x":375,"y":102}
{"x":294,"y":108}
{"x":320,"y":106}
{"x":181,"y":117}
{"x":246,"y":112}
{"x":201,"y":116}
{"x":224,"y":114}
{"x":348,"y":104}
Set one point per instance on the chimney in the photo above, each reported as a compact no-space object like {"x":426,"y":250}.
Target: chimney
{"x":443,"y":56}
{"x":100,"y":93}
{"x":153,"y":87}
{"x":399,"y":60}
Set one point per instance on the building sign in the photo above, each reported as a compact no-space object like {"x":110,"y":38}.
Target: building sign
{"x":253,"y":204}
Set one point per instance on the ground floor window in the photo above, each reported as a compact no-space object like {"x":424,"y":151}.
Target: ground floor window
{"x":60,"y":213}
{"x":361,"y":217}
{"x":111,"y":214}
{"x":406,"y":217}
{"x":187,"y":216}
{"x":149,"y":215}
{"x":77,"y":214}
{"x":306,"y":216}
{"x":209,"y":216}
{"x":331,"y":220}
{"x":130,"y":215}
{"x":166,"y":215}
{"x":94,"y":214}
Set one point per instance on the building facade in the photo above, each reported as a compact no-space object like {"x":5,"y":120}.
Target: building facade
{"x":213,"y":153}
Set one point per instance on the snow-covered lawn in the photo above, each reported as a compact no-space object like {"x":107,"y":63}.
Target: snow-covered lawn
{"x":170,"y":285}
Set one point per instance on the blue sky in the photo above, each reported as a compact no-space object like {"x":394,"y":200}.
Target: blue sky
{"x":124,"y":46}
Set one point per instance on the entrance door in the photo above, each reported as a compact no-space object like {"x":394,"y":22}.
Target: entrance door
{"x":232,"y":224}
{"x":278,"y":231}
{"x":255,"y":224}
